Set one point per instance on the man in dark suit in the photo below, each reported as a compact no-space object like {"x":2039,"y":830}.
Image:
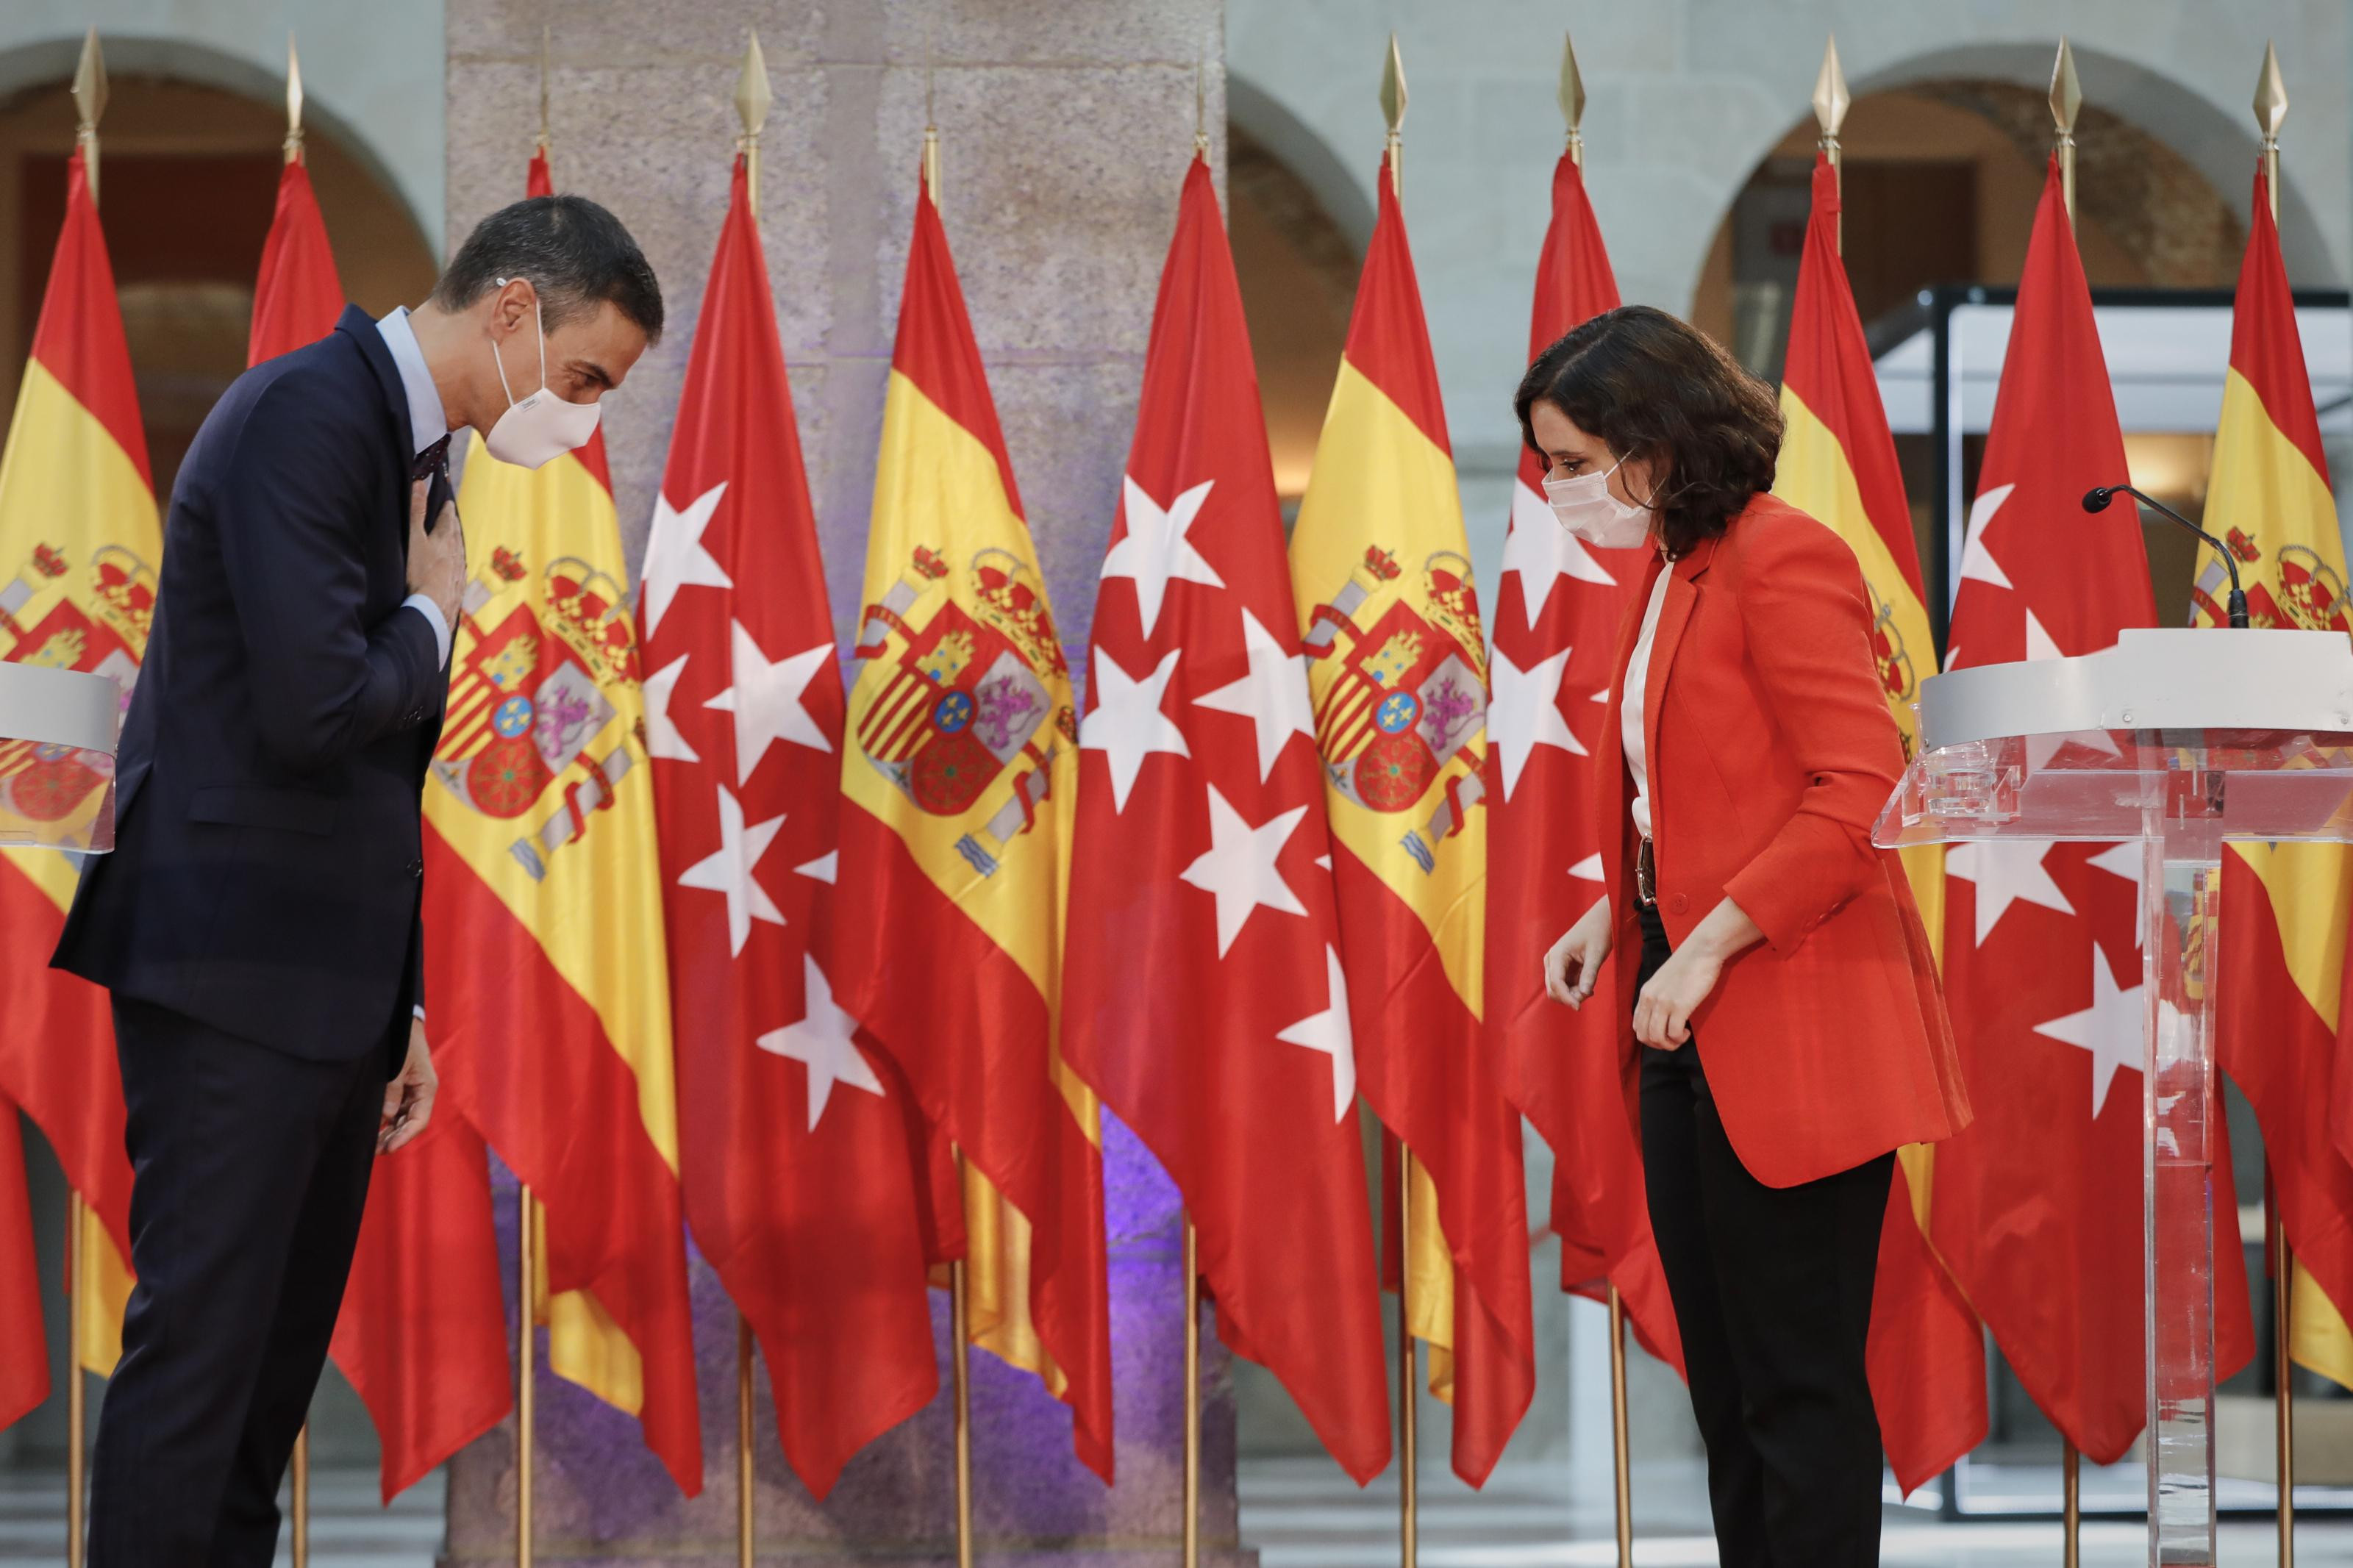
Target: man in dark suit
{"x":258,"y":922}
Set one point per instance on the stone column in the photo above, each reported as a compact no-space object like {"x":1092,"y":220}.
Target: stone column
{"x":1065,"y":132}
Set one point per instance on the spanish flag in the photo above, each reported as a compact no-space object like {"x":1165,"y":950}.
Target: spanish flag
{"x":1397,"y":670}
{"x":1838,"y":464}
{"x":79,"y":545}
{"x":959,"y":775}
{"x":2285,"y":925}
{"x":422,"y":1335}
{"x":546,"y":988}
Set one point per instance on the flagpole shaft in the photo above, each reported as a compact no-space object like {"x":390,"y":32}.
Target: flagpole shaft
{"x":1621,"y":1455}
{"x":1192,"y":1398}
{"x":2070,"y":1489}
{"x":77,"y":1411}
{"x":960,"y":1359}
{"x":2283,"y":1381}
{"x":1408,"y":1374}
{"x":526,"y":1377}
{"x":744,"y":1467}
{"x":300,"y":1484}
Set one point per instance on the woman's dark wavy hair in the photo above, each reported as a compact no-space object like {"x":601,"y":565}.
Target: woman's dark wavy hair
{"x":1655,"y":388}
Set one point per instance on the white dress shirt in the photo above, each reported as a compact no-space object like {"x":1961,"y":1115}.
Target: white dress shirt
{"x":427,"y":425}
{"x":1630,"y":720}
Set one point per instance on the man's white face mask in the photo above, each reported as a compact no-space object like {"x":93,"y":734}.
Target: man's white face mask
{"x":542,"y":426}
{"x":1585,"y":508}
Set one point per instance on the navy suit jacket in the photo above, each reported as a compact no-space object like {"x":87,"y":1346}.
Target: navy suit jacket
{"x":269,"y":860}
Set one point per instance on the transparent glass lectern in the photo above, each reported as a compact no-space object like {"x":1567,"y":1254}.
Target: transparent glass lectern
{"x":58,"y":731}
{"x":2178,"y":739}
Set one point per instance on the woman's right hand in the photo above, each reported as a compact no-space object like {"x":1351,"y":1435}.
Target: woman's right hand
{"x":1572,"y":967}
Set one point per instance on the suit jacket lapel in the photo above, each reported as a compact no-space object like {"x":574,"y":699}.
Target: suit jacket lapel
{"x":1683,"y":596}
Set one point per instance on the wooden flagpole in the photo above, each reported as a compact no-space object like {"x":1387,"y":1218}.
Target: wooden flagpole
{"x":1192,"y":1398}
{"x":526,"y":1370}
{"x":89,"y":102}
{"x":2066,"y":102}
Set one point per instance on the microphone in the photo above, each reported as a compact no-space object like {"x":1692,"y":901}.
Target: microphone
{"x":2097,"y":498}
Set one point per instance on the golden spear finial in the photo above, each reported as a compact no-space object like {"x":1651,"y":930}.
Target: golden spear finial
{"x":931,"y":125}
{"x":1572,"y":99}
{"x":752,"y":100}
{"x":2066,"y":102}
{"x":547,"y":46}
{"x":1830,"y":102}
{"x":293,"y":103}
{"x":1393,"y":110}
{"x":89,"y":102}
{"x":2271,"y":108}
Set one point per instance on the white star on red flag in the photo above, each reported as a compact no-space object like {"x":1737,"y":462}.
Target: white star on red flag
{"x":1127,"y":725}
{"x":1523,"y":712}
{"x":662,"y":737}
{"x":1240,"y":868}
{"x":1272,"y":696}
{"x":2006,"y":872}
{"x":1155,"y":550}
{"x":675,"y":556}
{"x":825,"y":1042}
{"x":766,"y":701}
{"x":730,"y":870}
{"x":2110,"y":1028}
{"x":1329,"y":1034}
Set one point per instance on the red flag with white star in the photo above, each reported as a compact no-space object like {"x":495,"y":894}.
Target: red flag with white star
{"x":800,"y":1178}
{"x":1202,"y":991}
{"x":1556,"y":631}
{"x":2037,"y":1206}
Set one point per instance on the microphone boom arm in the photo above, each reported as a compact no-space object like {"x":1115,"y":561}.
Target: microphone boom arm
{"x":2096,"y":500}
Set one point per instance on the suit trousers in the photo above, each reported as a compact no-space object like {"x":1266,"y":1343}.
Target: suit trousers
{"x":250,"y":1173}
{"x":1772,"y":1290}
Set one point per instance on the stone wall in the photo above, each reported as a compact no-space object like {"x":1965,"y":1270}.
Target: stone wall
{"x":1066,"y":130}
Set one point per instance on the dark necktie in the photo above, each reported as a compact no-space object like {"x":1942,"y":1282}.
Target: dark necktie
{"x":433,"y":460}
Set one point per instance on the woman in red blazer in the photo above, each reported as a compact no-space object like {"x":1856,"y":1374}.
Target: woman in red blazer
{"x":1786,"y":1029}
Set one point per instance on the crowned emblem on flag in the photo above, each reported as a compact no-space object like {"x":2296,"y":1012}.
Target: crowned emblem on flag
{"x":102,"y":630}
{"x":528,"y":700}
{"x":1407,"y":698}
{"x":954,"y":698}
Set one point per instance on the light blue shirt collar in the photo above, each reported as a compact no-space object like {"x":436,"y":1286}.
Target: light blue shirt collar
{"x":426,"y":422}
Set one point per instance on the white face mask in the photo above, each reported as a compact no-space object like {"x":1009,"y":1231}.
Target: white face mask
{"x":542,"y":426}
{"x":1585,"y":508}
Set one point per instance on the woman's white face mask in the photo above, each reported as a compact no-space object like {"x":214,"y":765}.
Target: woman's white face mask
{"x":1585,"y":506}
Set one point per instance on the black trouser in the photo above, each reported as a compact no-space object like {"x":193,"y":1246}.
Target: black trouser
{"x":250,"y":1168}
{"x":1772,"y":1291}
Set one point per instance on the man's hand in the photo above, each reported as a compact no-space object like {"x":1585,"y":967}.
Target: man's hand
{"x":409,"y":1099}
{"x":436,"y":561}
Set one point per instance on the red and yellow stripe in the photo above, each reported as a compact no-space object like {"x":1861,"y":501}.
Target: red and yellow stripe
{"x":1411,"y":881}
{"x":2285,"y":928}
{"x":74,"y":481}
{"x":549,"y":995}
{"x":956,"y":969}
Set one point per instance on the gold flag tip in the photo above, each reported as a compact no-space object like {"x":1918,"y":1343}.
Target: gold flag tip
{"x":1572,"y":85}
{"x":2066,"y":91}
{"x":753,"y":94}
{"x":90,"y":82}
{"x":1830,"y":97}
{"x":2270,"y":95}
{"x":1393,"y":87}
{"x":293,"y":97}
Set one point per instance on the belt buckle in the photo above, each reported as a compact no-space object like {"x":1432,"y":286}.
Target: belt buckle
{"x":1646,"y":874}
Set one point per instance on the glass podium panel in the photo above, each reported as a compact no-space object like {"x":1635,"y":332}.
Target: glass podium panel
{"x":2181,"y":794}
{"x":58,"y":730}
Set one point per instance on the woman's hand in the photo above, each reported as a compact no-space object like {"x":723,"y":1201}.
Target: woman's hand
{"x":1572,"y":966}
{"x":1662,"y":1012}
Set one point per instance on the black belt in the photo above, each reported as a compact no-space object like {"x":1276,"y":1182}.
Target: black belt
{"x":1646,"y":875}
